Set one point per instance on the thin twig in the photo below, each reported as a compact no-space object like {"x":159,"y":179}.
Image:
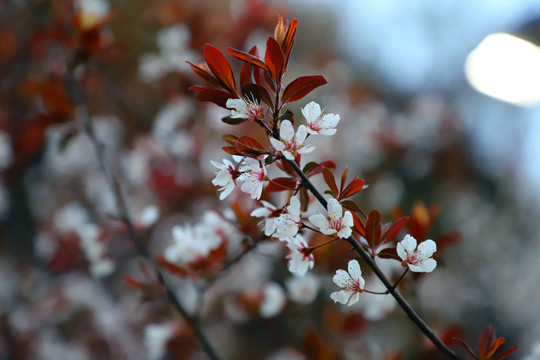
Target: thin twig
{"x":415,"y":318}
{"x":82,"y":111}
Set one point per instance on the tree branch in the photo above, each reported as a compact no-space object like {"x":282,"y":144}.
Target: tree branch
{"x":82,"y":112}
{"x":415,"y":318}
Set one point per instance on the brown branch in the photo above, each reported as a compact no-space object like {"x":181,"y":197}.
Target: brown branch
{"x":415,"y":318}
{"x":82,"y":111}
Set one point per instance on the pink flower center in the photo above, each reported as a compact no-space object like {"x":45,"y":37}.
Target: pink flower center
{"x":316,"y":125}
{"x":254,"y":109}
{"x":413,"y":258}
{"x":353,"y":286}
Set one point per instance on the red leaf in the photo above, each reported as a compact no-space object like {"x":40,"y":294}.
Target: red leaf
{"x":131,"y":282}
{"x":231,"y":150}
{"x":289,"y":40}
{"x":220,"y":67}
{"x":304,"y":199}
{"x":389,"y":253}
{"x":281,"y":184}
{"x":248,"y":146}
{"x":216,"y":96}
{"x":275,"y":60}
{"x":247,"y":57}
{"x":486,"y":340}
{"x":467,"y":347}
{"x":358,"y":226}
{"x":351,"y":205}
{"x":394,"y":230}
{"x":201,"y":70}
{"x":258,"y":92}
{"x":373,"y":223}
{"x":508,"y":352}
{"x":330,"y":181}
{"x":233,"y":121}
{"x":302,"y":86}
{"x":355,"y":186}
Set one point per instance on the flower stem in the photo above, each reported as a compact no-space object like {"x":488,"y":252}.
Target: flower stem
{"x":415,"y":318}
{"x":82,"y":112}
{"x":311,"y":249}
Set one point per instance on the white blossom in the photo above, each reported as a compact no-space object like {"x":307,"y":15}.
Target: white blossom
{"x":352,"y":284}
{"x":303,"y":289}
{"x":300,"y":258}
{"x":156,"y":337}
{"x":186,"y":246}
{"x":95,"y":251}
{"x":245,"y":108}
{"x":288,"y":223}
{"x":253,"y":174}
{"x":274,"y":300}
{"x":317,"y":122}
{"x":269,"y":213}
{"x":91,"y":12}
{"x":226,"y":175}
{"x":291,"y":144}
{"x":418,"y":259}
{"x":336,"y":222}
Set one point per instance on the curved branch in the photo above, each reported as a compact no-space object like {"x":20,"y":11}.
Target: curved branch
{"x":82,"y":111}
{"x":415,"y":318}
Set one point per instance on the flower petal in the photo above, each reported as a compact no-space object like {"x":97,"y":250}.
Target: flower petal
{"x":311,"y":112}
{"x":408,"y":243}
{"x":341,"y":278}
{"x":334,"y":209}
{"x":426,"y":249}
{"x":341,"y":296}
{"x":278,"y":145}
{"x":301,"y":134}
{"x":287,"y":131}
{"x":354,"y":298}
{"x":354,"y":269}
{"x":320,"y":221}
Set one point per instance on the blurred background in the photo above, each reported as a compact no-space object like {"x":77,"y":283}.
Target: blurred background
{"x":439,"y":114}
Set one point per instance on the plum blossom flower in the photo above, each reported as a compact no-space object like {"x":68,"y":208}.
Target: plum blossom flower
{"x":245,"y":108}
{"x":418,"y":259}
{"x":291,"y":143}
{"x":300,"y":258}
{"x":226,"y":175}
{"x":317,"y":122}
{"x":336,"y":222}
{"x":274,"y":300}
{"x":156,"y":337}
{"x":269,"y":212}
{"x":253,"y":174}
{"x":351,"y":282}
{"x":288,"y":223}
{"x":303,"y":289}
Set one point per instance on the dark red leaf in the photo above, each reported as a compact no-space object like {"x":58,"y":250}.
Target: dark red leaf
{"x":285,"y":166}
{"x":220,"y":67}
{"x":330,"y":181}
{"x":233,"y":121}
{"x":389,"y":253}
{"x":268,"y":80}
{"x":373,"y":222}
{"x":216,"y":96}
{"x":302,"y":86}
{"x":394,"y":230}
{"x":281,"y":184}
{"x":248,"y":58}
{"x":355,"y":186}
{"x":201,"y":70}
{"x":486,"y":340}
{"x":358,"y":226}
{"x":275,"y":60}
{"x":304,"y":199}
{"x":231,"y":150}
{"x":289,"y":40}
{"x":351,"y":205}
{"x":248,"y":146}
{"x":131,"y":282}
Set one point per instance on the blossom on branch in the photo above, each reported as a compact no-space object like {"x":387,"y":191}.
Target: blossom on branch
{"x":269,"y":212}
{"x":418,"y":259}
{"x":245,"y":109}
{"x":253,"y":174}
{"x":351,"y":282}
{"x":291,"y":144}
{"x":336,"y":222}
{"x":300,"y":258}
{"x":318,"y":122}
{"x":288,"y":223}
{"x":226,"y":176}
